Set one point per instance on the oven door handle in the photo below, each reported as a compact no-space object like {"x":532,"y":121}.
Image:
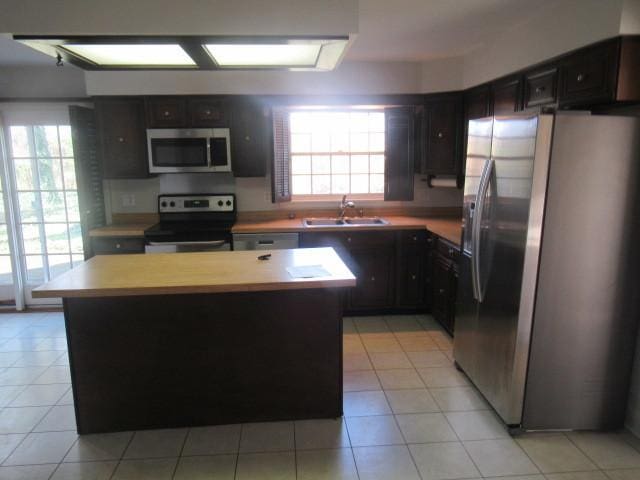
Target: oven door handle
{"x":214,"y":243}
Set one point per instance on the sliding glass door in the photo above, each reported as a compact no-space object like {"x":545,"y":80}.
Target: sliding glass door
{"x":44,"y":197}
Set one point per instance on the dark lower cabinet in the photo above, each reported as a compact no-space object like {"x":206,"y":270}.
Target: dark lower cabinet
{"x":373,"y":267}
{"x":117,"y":245}
{"x":410,"y":271}
{"x":442,"y":265}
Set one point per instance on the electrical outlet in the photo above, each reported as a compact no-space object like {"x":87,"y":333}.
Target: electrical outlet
{"x":128,"y":200}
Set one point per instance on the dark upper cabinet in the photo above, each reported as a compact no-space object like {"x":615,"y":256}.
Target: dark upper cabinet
{"x":506,"y":96}
{"x":399,"y":153}
{"x":251,"y":138}
{"x":477,"y":103}
{"x":122,"y":137}
{"x":187,"y":112}
{"x":540,"y":88}
{"x":441,"y":136}
{"x":207,"y":112}
{"x":166,"y":112}
{"x":589,"y":75}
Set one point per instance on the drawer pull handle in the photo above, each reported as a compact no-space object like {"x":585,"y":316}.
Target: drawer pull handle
{"x":415,"y":238}
{"x":540,"y":89}
{"x":451,"y":251}
{"x":580,"y":77}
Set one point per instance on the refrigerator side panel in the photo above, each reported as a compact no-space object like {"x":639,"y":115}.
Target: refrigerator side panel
{"x":586,"y":307}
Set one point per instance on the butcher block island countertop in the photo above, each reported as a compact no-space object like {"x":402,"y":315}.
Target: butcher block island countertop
{"x":202,"y":272}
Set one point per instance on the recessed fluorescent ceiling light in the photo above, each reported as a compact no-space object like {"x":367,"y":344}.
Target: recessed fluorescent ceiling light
{"x":263,"y":55}
{"x":132,"y":55}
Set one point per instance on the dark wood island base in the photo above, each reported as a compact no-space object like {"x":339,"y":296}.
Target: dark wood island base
{"x":163,"y":361}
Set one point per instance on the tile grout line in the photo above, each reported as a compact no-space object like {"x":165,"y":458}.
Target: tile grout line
{"x":122,"y":455}
{"x":184,"y":442}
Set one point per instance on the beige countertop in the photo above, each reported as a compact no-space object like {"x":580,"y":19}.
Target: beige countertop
{"x":203,"y":272}
{"x":449,"y":228}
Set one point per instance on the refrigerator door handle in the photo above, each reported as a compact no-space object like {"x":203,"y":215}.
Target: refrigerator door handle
{"x":477,"y":225}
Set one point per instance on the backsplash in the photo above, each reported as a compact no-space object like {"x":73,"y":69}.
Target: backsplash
{"x":253,"y":194}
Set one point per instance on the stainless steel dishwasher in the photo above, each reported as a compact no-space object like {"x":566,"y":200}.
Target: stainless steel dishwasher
{"x":264,"y":241}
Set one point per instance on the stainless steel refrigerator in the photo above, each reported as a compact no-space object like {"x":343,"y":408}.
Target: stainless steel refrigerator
{"x":548,"y":297}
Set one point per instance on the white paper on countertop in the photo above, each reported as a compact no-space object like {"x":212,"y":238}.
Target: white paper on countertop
{"x":308,"y":271}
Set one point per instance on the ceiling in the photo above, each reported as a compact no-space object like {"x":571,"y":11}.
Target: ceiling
{"x":398,"y":30}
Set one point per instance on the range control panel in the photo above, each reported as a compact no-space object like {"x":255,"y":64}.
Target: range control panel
{"x":196,"y":203}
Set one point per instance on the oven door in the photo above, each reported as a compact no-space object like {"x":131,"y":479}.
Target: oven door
{"x":180,"y":247}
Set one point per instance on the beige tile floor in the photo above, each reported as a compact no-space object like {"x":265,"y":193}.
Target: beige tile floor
{"x":409,"y":414}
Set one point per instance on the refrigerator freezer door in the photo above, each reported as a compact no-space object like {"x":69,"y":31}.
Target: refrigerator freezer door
{"x":478,"y":155}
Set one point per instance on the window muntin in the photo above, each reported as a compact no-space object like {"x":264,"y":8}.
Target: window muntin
{"x":337,"y":152}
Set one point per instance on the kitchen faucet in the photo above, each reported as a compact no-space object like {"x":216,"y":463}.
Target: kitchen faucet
{"x":344,"y":204}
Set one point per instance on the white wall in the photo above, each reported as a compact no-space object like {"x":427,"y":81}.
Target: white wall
{"x":253,"y":194}
{"x":41,"y":82}
{"x":552,"y":31}
{"x":183,"y":17}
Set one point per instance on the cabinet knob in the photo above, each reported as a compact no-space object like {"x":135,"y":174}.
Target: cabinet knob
{"x":117,"y":245}
{"x":580,"y":77}
{"x":413,"y":277}
{"x":373,"y":279}
{"x":429,"y":241}
{"x":440,"y":135}
{"x":165,"y":113}
{"x":540,"y":89}
{"x":349,"y":239}
{"x":207,"y":113}
{"x":441,"y":291}
{"x":121,"y":139}
{"x":451,"y":251}
{"x":247,"y":138}
{"x":415,"y":238}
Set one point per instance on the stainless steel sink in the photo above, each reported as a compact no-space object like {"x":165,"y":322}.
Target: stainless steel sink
{"x":347,"y":222}
{"x":366,"y":221}
{"x":323,"y":222}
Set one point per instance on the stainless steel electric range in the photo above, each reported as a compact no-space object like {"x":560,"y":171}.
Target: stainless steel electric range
{"x":192,"y":223}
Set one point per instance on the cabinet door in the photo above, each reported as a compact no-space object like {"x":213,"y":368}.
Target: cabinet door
{"x":167,"y":112}
{"x":589,"y":76}
{"x":410,"y":269}
{"x":251,"y":139}
{"x":506,"y":96}
{"x":476,"y":103}
{"x":540,"y":87}
{"x":442,"y":152}
{"x":208,"y":112}
{"x":373,"y":269}
{"x":443,"y":291}
{"x":122,"y":138}
{"x":399,"y":153}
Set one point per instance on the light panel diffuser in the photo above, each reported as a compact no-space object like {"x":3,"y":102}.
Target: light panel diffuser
{"x":264,"y":55}
{"x":141,"y":54}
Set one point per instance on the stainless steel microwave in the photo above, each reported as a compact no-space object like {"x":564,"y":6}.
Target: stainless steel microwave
{"x":185,"y":150}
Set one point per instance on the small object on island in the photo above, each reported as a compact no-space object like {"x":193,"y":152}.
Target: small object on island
{"x":266,"y":256}
{"x":292,"y":215}
{"x":308,"y":271}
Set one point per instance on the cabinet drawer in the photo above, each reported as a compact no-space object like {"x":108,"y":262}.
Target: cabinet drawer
{"x":589,"y":77}
{"x":447,"y":249}
{"x":413,"y":237}
{"x":167,"y":112}
{"x":206,"y":112}
{"x":115,"y":245}
{"x":540,"y":88}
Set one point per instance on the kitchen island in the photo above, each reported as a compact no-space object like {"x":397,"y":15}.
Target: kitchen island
{"x":184,"y":339}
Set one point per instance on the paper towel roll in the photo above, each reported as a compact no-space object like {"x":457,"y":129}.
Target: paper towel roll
{"x":443,"y":182}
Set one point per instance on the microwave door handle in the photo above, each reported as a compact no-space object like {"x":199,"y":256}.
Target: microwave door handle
{"x":484,"y":187}
{"x":475,"y":232}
